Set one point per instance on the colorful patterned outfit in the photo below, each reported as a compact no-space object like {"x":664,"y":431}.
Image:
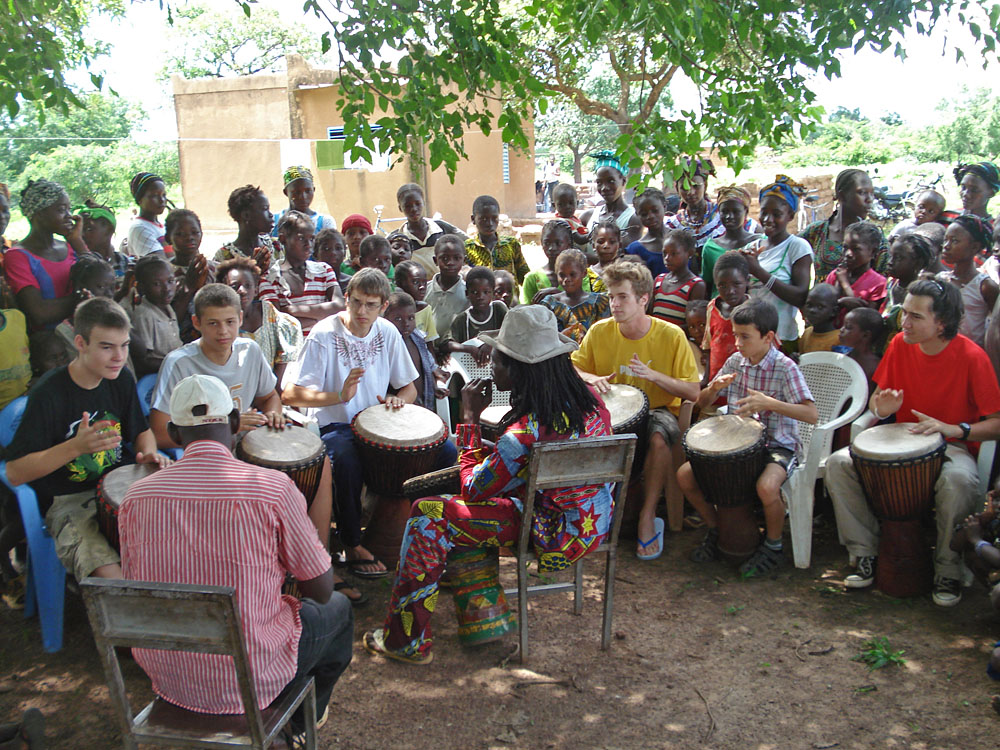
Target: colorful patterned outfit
{"x":279,"y":337}
{"x":672,"y":306}
{"x":828,"y":253}
{"x":709,"y":226}
{"x":575,"y":320}
{"x":505,"y":256}
{"x":317,"y":280}
{"x":568,"y":522}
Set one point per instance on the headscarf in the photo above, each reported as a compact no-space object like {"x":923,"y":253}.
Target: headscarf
{"x":980,"y":229}
{"x":733,"y":193}
{"x":140,"y":182}
{"x":607,"y":158}
{"x":985,"y":170}
{"x":297,"y":173}
{"x":785,"y":188}
{"x":356,"y":220}
{"x":39,"y":195}
{"x":97,"y":212}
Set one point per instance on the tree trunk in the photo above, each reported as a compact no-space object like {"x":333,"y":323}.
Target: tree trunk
{"x":577,"y":164}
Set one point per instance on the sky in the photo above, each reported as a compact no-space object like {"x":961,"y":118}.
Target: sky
{"x":875,"y":83}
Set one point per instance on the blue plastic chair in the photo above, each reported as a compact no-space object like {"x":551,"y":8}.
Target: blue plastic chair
{"x":46,"y":578}
{"x":144,"y":386}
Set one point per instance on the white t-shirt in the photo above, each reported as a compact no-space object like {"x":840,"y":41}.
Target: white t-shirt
{"x":145,"y":237}
{"x":247,"y":373}
{"x":331,"y":351}
{"x":778,"y":261}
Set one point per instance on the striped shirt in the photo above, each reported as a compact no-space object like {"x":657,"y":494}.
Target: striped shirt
{"x":317,"y":281}
{"x":672,"y":306}
{"x":212,"y":520}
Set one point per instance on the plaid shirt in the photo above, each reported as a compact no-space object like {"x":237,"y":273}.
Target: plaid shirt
{"x":506,"y":256}
{"x":776,"y":376}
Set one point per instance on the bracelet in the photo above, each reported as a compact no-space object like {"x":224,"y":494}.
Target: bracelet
{"x":878,"y":416}
{"x":770,"y":283}
{"x":980,"y":544}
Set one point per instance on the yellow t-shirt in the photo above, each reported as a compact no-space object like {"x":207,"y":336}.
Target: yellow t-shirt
{"x":664,"y":348}
{"x":811,"y":341}
{"x":425,"y":323}
{"x":15,"y":369}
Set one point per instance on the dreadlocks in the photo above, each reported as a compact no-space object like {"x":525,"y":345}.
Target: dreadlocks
{"x":551,"y":390}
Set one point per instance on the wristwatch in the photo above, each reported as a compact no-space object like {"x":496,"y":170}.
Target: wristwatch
{"x":966,"y":429}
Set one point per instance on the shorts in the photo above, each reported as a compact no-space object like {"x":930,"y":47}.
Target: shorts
{"x":663,"y":422}
{"x":80,"y":545}
{"x":781,"y":456}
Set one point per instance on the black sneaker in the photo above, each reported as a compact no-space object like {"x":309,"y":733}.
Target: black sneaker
{"x":947,"y":591}
{"x":763,"y":561}
{"x":708,"y":550}
{"x":864,"y":575}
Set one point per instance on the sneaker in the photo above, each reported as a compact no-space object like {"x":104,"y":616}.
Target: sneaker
{"x":863,"y":576}
{"x":708,"y":550}
{"x":947,"y":591}
{"x":763,"y":561}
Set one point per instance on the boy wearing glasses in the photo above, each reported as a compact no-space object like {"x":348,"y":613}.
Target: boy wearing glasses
{"x":347,"y":364}
{"x":941,"y":382}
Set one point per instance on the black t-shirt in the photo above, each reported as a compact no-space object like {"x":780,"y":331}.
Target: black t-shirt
{"x":55,"y":407}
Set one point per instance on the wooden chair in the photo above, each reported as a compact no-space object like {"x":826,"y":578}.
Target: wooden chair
{"x":181,"y":617}
{"x":560,"y":463}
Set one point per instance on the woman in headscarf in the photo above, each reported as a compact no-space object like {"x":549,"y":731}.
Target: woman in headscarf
{"x":734,"y":209}
{"x":609,"y":175}
{"x":977,"y":184}
{"x":146,"y":234}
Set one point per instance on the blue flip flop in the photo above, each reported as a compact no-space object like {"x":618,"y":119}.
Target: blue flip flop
{"x":659,"y":526}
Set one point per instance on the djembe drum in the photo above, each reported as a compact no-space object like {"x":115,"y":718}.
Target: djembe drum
{"x":110,"y":493}
{"x":629,"y":410}
{"x":294,"y":451}
{"x":727,"y":456}
{"x":483,"y":614}
{"x":489,"y":421}
{"x":898,"y":471}
{"x":441,"y":482}
{"x":394,"y":445}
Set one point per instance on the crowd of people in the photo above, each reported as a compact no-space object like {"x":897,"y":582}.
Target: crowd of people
{"x":698,"y":302}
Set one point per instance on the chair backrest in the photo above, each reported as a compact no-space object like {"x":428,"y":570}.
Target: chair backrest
{"x":10,"y":419}
{"x":170,"y":617}
{"x":144,"y":386}
{"x":466,"y":367}
{"x":837,"y":383}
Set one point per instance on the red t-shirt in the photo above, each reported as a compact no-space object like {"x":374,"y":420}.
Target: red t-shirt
{"x":17,"y":267}
{"x":955,"y":385}
{"x":720,"y":338}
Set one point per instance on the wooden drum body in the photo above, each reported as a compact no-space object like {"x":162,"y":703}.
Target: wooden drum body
{"x":629,"y":410}
{"x":727,"y":456}
{"x":110,"y":493}
{"x":294,"y":451}
{"x":898,"y":471}
{"x":489,"y":421}
{"x":483,"y":614}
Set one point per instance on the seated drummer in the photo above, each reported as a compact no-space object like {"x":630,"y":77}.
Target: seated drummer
{"x":943,"y":383}
{"x":759,"y":382}
{"x":254,"y":523}
{"x":347,"y":365}
{"x":549,"y":401}
{"x":637,"y":349}
{"x":72,"y":433}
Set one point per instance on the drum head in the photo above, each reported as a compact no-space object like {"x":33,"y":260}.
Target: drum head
{"x":724,"y":434}
{"x":290,"y":446}
{"x":493,"y":414}
{"x":624,"y":403}
{"x":891,"y":441}
{"x":115,"y":483}
{"x":409,"y":427}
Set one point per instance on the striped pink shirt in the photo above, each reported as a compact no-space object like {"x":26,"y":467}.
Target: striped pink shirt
{"x":318,"y":279}
{"x":213,"y":520}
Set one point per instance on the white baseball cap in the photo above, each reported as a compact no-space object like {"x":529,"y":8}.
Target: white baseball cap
{"x":200,"y":390}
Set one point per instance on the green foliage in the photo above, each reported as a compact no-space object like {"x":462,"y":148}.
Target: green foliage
{"x":877,"y":653}
{"x":975,"y":130}
{"x":206,"y":42}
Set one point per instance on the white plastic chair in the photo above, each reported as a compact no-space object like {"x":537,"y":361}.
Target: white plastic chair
{"x":840,"y":388}
{"x":464,"y":365}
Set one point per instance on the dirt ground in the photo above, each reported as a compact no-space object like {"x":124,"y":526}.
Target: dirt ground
{"x":699,"y":659}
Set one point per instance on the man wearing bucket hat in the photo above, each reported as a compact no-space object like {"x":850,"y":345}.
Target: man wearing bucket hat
{"x":549,"y":401}
{"x":234,"y":524}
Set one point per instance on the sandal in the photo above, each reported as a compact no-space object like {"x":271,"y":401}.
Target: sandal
{"x":374,"y":643}
{"x":657,"y":537}
{"x":362,"y":596}
{"x":763,"y":561}
{"x":354,"y":565}
{"x":708,"y":550}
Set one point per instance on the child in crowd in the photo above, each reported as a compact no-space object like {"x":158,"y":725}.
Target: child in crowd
{"x":732,"y":279}
{"x":977,"y":184}
{"x":89,"y":277}
{"x":966,"y":237}
{"x":556,"y":237}
{"x":565,"y":199}
{"x":251,"y":210}
{"x":354,"y":228}
{"x":859,"y":285}
{"x":929,"y":207}
{"x":483,"y":314}
{"x":909,"y":255}
{"x":306,"y":289}
{"x":650,"y":207}
{"x":411,"y":278}
{"x":934,"y":234}
{"x":607,"y":243}
{"x":757,"y":380}
{"x":431,"y":381}
{"x":863,"y":331}
{"x":46,"y":351}
{"x":375,"y":252}
{"x":146,"y":235}
{"x":991,"y":266}
{"x":674,"y":288}
{"x":192,"y":269}
{"x":446,"y":291}
{"x":821,"y":312}
{"x":734,"y":206}
{"x":505,"y":288}
{"x":14,"y":355}
{"x":155,"y":332}
{"x":575,"y":309}
{"x":400,"y":246}
{"x":696,"y":319}
{"x":487,"y":248}
{"x":300,"y":189}
{"x":99,"y":225}
{"x":331,"y":248}
{"x":422,"y":232}
{"x":609,"y":177}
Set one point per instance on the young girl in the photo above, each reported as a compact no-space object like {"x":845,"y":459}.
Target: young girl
{"x":609,"y":175}
{"x":863,"y":331}
{"x":966,"y":237}
{"x":734,"y":205}
{"x":146,"y":234}
{"x":251,"y":210}
{"x":607,"y":244}
{"x":300,"y":189}
{"x":400,"y":246}
{"x":977,"y":184}
{"x":556,"y":237}
{"x":99,"y":225}
{"x":859,"y":285}
{"x":192,"y":269}
{"x":505,"y":288}
{"x":419,"y":230}
{"x":355,"y":228}
{"x":575,"y":309}
{"x":910,"y":255}
{"x":780,"y":262}
{"x":696,"y":322}
{"x":89,"y":277}
{"x":411,"y":278}
{"x":674,"y":288}
{"x":330,"y":247}
{"x":732,"y":279}
{"x":650,"y":207}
